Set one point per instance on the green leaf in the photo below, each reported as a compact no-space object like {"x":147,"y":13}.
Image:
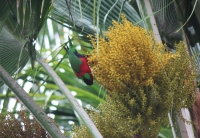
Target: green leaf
{"x":12,"y":55}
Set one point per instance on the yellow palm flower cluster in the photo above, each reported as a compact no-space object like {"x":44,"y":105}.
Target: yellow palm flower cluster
{"x":143,"y":79}
{"x":127,"y":58}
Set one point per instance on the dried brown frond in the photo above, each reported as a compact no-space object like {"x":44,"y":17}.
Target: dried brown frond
{"x":21,"y":127}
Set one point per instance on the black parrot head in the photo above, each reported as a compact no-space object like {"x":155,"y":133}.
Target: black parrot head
{"x":88,"y":82}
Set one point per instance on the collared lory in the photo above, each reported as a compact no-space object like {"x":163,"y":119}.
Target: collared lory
{"x":79,"y":64}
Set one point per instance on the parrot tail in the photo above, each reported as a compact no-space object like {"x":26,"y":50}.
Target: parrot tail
{"x":66,"y":49}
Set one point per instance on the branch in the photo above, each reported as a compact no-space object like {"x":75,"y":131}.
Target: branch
{"x":75,"y":105}
{"x":39,"y":114}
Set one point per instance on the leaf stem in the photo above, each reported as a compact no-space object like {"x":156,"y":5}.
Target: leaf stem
{"x":75,"y":105}
{"x":39,"y":114}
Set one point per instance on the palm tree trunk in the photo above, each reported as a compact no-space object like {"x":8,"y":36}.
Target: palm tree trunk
{"x":195,"y":114}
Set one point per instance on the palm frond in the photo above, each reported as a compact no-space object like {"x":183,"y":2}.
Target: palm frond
{"x":81,"y":16}
{"x":23,"y":20}
{"x":12,"y":55}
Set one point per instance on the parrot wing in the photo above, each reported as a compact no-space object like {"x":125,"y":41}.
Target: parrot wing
{"x":73,"y":57}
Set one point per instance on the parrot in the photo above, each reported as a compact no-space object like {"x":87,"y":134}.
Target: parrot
{"x":79,"y":64}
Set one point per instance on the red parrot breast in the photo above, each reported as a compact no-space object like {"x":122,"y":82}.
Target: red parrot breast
{"x":84,"y":68}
